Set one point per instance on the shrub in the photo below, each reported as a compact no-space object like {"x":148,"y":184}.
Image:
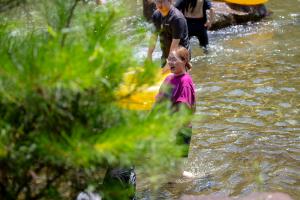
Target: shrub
{"x":62,"y":62}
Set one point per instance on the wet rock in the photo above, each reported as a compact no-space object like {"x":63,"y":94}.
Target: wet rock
{"x":253,"y":196}
{"x":226,"y":14}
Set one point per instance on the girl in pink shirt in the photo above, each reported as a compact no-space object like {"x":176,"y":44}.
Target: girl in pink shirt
{"x":178,"y":87}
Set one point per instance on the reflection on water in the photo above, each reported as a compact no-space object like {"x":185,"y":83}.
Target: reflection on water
{"x":248,"y":92}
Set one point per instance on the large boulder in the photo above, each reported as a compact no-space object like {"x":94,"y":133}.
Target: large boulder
{"x":226,"y":14}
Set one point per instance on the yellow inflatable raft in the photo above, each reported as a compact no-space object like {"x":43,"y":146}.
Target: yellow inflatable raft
{"x":247,"y":2}
{"x":138,"y":98}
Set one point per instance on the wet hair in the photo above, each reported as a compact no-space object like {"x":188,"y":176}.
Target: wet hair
{"x":184,"y":55}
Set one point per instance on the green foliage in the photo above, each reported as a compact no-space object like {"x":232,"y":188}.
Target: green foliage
{"x":60,"y":121}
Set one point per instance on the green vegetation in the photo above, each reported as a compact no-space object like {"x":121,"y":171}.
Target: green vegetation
{"x":61,"y":64}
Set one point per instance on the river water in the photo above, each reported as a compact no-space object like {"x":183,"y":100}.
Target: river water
{"x":246,"y":135}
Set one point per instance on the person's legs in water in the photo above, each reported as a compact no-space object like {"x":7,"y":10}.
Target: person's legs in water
{"x":183,"y":139}
{"x":119,"y":183}
{"x":203,"y":38}
{"x":196,"y":28}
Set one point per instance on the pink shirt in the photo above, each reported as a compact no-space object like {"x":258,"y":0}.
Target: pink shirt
{"x":179,"y":89}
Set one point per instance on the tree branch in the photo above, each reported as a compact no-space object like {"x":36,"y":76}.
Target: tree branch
{"x":71,"y":13}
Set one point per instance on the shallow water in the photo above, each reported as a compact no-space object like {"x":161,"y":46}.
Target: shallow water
{"x":247,"y":134}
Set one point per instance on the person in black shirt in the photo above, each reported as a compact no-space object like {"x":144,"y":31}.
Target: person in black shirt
{"x":171,"y":26}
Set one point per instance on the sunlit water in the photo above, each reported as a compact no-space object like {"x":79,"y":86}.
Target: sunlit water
{"x":248,"y":99}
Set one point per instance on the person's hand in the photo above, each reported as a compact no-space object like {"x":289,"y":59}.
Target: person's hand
{"x":207,"y":24}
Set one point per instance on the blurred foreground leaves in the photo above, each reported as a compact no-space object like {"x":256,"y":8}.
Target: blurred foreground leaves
{"x":61,"y":63}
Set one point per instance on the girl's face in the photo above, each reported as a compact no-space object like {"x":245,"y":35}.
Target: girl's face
{"x":177,"y":65}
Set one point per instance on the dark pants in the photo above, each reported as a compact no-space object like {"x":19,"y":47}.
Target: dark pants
{"x":119,"y":183}
{"x":196,"y":28}
{"x":183,"y":139}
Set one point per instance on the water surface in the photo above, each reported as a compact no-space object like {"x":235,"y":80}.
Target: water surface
{"x":248,"y":99}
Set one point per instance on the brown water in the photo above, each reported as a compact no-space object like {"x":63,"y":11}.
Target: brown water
{"x":248,"y":97}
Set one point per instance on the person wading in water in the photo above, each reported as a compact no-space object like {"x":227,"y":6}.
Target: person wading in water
{"x":197,"y":20}
{"x":170,"y":25}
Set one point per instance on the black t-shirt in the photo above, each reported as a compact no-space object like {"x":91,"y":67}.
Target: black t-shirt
{"x":172,"y":26}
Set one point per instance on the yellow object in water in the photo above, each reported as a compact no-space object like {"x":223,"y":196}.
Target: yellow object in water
{"x":141,"y":97}
{"x":246,"y":2}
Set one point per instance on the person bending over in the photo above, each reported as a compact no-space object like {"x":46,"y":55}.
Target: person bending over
{"x":170,"y":25}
